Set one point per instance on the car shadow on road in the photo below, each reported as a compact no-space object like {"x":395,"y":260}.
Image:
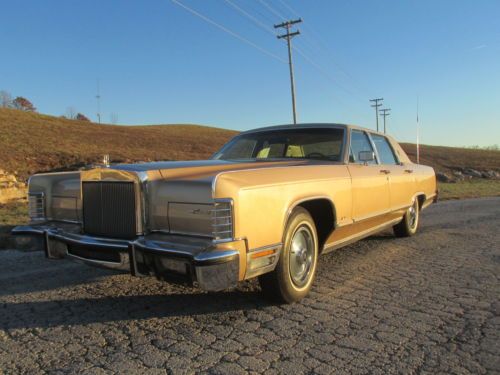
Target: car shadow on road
{"x":82,"y":311}
{"x":46,"y":275}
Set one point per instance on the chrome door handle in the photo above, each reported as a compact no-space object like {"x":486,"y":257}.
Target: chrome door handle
{"x":385,"y":171}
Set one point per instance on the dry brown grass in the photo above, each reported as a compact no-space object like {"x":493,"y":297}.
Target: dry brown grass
{"x":444,"y":159}
{"x":31,"y":142}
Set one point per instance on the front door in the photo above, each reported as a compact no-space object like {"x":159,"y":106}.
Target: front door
{"x":370,"y":182}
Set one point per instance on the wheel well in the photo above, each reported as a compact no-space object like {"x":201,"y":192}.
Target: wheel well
{"x":421,"y":200}
{"x":322,"y":212}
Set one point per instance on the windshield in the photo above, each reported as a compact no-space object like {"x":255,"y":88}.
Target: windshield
{"x":314,"y":143}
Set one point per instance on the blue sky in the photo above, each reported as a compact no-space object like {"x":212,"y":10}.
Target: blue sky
{"x":158,"y":63}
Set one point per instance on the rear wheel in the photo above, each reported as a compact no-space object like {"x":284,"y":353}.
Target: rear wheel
{"x":294,"y":274}
{"x":409,"y":225}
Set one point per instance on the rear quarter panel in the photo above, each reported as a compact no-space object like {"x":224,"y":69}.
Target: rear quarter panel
{"x":426,"y":181}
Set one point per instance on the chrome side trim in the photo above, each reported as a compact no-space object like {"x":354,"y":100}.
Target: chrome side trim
{"x":216,"y":242}
{"x":267,"y":247}
{"x":403,"y":207}
{"x":371,"y":216}
{"x":356,"y":237}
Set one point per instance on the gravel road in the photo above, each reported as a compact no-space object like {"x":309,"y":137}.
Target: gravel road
{"x":427,"y":304}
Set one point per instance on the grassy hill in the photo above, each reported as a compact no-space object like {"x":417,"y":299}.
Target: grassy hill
{"x":31,"y":142}
{"x":444,"y":159}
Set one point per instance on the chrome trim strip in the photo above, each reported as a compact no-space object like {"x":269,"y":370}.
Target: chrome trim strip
{"x":371,"y":216}
{"x":194,"y":234}
{"x":403,"y":207}
{"x":152,"y":246}
{"x":356,"y":237}
{"x":144,"y":198}
{"x":64,"y":221}
{"x":123,"y":265}
{"x":215,"y":257}
{"x":267,"y":247}
{"x":90,"y":241}
{"x":216,"y":242}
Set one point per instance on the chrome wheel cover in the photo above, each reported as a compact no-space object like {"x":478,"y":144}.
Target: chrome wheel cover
{"x":412,"y":216}
{"x":302,"y":256}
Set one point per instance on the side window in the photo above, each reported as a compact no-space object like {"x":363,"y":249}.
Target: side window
{"x":359,"y":142}
{"x":384,"y":149}
{"x":241,"y":147}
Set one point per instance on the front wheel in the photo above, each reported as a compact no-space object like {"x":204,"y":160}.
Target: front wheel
{"x":294,"y":274}
{"x":409,"y":225}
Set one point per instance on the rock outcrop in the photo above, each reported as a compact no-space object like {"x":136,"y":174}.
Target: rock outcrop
{"x":10,"y":187}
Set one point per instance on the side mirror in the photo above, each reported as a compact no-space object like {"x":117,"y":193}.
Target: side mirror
{"x":366,"y":156}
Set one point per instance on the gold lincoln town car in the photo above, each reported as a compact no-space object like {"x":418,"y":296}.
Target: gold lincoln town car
{"x":266,"y":205}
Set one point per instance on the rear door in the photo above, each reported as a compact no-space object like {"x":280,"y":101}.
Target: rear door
{"x":401,"y":180}
{"x":370,"y":183}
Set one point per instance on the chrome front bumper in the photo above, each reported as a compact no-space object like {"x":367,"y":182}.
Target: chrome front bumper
{"x":175,"y":258}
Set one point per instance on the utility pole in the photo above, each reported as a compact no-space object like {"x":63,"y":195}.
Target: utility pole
{"x":288,"y":36}
{"x":376,"y":105}
{"x":384,"y":114}
{"x":98,"y":97}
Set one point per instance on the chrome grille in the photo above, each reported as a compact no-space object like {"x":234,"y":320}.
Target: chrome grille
{"x":109,"y":209}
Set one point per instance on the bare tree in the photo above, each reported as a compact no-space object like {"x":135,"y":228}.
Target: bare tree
{"x":5,"y":99}
{"x":114,"y":118}
{"x":71,"y":113}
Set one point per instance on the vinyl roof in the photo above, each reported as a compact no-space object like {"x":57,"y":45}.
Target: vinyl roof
{"x":309,"y":125}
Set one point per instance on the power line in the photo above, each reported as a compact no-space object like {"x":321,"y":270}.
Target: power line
{"x":228,"y":31}
{"x":316,"y":42}
{"x":376,"y":105}
{"x":289,"y":8}
{"x":272,"y":10}
{"x":322,"y":70}
{"x":288,"y":36}
{"x":262,"y":25}
{"x":384,"y":114}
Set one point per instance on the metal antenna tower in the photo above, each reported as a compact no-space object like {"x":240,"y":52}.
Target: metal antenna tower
{"x":98,"y":97}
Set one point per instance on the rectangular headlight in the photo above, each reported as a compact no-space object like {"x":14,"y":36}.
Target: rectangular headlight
{"x":36,"y":206}
{"x":222,"y":220}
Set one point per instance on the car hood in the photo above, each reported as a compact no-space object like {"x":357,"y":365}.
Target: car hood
{"x":202,"y":169}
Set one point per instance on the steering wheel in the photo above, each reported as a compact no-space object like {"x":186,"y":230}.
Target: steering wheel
{"x":316,"y":155}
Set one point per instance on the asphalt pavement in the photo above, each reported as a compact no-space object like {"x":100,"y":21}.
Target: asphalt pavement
{"x":426,"y":304}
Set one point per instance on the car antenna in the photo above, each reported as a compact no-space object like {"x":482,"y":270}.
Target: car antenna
{"x":418,"y":141}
